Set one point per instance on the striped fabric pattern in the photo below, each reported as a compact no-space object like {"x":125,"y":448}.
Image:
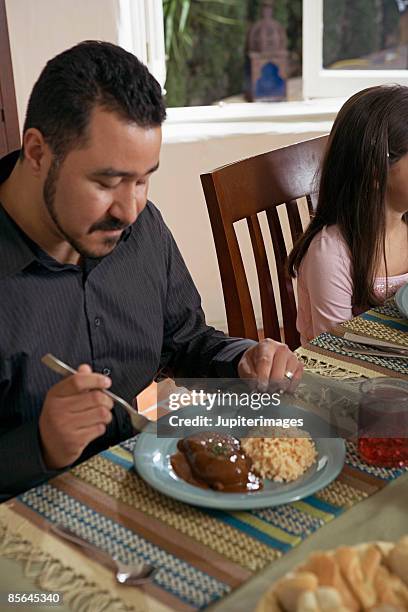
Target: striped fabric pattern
{"x":383,"y":323}
{"x":201,"y":554}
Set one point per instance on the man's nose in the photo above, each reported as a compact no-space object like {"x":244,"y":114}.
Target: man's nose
{"x":129,"y":203}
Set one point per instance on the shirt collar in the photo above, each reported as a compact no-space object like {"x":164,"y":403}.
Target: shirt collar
{"x":126,"y":233}
{"x":15,"y":253}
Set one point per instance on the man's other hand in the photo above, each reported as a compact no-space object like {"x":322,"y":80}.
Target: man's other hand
{"x":74,"y":413}
{"x":270,"y":361}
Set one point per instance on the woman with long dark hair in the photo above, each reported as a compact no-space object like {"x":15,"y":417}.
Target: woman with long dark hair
{"x":354,"y":253}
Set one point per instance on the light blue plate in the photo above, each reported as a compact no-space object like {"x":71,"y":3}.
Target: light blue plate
{"x":401,"y":300}
{"x":152,"y":462}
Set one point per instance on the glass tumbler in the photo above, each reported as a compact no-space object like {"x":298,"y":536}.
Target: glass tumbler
{"x":383,"y":422}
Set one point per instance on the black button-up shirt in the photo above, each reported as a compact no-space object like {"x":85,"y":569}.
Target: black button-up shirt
{"x":130,"y":315}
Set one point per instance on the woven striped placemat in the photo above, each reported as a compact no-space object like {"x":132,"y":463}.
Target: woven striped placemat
{"x":201,"y":554}
{"x":327,"y":354}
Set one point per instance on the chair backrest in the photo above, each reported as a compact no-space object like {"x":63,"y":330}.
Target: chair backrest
{"x":242,"y":190}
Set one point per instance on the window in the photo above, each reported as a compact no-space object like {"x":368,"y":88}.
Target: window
{"x":211,"y":56}
{"x":347,"y":44}
{"x":352,"y":44}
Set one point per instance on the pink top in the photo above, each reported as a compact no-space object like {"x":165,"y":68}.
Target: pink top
{"x":325,"y":287}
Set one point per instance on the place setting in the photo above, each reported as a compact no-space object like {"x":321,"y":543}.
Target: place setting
{"x":219,"y":470}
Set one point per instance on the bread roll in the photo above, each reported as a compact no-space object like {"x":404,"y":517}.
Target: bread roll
{"x":308,"y":602}
{"x":329,"y":600}
{"x":371,"y":559}
{"x":327,"y":570}
{"x":386,"y":608}
{"x":289,"y":589}
{"x":397,"y":559}
{"x":352,"y":570}
{"x":390,"y":589}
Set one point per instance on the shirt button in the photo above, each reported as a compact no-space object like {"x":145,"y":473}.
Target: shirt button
{"x":97,"y":321}
{"x":106,"y":371}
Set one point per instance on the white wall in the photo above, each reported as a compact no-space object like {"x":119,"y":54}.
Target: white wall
{"x":40,"y":29}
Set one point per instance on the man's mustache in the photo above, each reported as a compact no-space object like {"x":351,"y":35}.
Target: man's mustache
{"x":107,"y":225}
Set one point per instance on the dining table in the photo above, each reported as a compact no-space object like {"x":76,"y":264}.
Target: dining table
{"x":205,"y":558}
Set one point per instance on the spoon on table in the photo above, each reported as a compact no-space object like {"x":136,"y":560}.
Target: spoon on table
{"x":386,"y":347}
{"x":129,"y":574}
{"x":374,"y":352}
{"x":139,"y":422}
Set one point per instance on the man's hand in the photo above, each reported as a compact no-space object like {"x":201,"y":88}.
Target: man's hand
{"x":270,"y":361}
{"x":74,"y":413}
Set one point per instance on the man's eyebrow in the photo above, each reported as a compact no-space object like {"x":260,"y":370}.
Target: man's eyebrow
{"x":113,"y":173}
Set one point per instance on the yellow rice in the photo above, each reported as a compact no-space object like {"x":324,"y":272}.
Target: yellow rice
{"x":281,"y":456}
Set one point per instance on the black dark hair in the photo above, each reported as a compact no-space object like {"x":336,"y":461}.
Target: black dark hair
{"x":93,"y":73}
{"x":369,"y":135}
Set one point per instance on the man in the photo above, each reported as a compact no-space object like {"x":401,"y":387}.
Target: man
{"x":90,"y":272}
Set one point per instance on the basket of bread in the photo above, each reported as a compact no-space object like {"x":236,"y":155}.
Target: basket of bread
{"x":368,"y":577}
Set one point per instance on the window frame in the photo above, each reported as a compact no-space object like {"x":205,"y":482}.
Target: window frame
{"x":141,"y":32}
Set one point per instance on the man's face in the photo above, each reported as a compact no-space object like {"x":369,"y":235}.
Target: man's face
{"x":100,"y":189}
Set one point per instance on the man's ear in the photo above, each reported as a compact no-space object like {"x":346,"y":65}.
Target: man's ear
{"x":36,"y":151}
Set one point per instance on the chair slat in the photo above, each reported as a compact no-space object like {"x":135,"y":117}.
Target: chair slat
{"x":268,"y":302}
{"x":312,"y":201}
{"x":295,"y":221}
{"x":287,"y":296}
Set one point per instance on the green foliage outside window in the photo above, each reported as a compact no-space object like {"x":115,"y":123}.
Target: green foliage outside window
{"x":205,"y":45}
{"x":356,"y":28}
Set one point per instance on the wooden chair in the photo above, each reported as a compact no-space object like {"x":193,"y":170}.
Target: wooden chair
{"x":242,"y":190}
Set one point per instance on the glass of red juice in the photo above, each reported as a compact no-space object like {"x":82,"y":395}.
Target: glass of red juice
{"x":383,"y":422}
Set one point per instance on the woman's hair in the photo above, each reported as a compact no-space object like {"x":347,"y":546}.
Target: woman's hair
{"x":370,"y":134}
